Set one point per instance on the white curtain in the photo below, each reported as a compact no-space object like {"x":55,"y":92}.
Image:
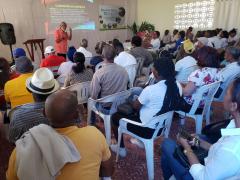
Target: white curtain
{"x":227,"y":14}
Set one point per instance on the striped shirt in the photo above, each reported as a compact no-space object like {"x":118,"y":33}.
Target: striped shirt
{"x":24,"y":118}
{"x":74,"y":78}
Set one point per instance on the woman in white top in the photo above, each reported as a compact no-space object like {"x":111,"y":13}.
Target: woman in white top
{"x":154,"y":100}
{"x":223,"y":160}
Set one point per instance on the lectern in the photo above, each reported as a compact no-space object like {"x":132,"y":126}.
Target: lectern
{"x":33,"y":43}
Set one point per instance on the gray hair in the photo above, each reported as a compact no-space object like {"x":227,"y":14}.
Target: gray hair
{"x":109,"y":53}
{"x":234,"y":51}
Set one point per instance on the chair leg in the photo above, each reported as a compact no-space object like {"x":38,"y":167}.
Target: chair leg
{"x":107,"y":126}
{"x":150,"y":159}
{"x":198,"y":121}
{"x":89,"y":116}
{"x":119,"y":142}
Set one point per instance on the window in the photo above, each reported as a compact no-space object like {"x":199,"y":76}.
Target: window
{"x":198,"y":14}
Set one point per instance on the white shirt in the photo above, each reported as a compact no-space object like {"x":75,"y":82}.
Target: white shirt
{"x":125,"y":59}
{"x":86,"y":53}
{"x":224,"y":42}
{"x":63,"y":70}
{"x":230,"y":70}
{"x":185,"y":67}
{"x":152,"y":98}
{"x":215,"y":41}
{"x":155,"y":43}
{"x":223,"y":160}
{"x":231,"y":39}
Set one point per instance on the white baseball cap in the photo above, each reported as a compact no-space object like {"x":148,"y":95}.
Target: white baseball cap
{"x":49,"y":49}
{"x":42,"y":82}
{"x":203,"y":40}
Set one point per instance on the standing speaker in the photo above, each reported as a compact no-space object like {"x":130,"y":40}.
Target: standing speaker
{"x":7,"y":35}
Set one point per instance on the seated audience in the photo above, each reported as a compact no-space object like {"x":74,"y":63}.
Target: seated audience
{"x":155,"y":42}
{"x":109,"y":79}
{"x":214,"y":40}
{"x":154,"y":100}
{"x":233,"y":38}
{"x":201,"y":42}
{"x":139,"y":52}
{"x":83,"y":49}
{"x":78,"y":73}
{"x":5,"y":75}
{"x":15,"y":90}
{"x":66,"y":67}
{"x":123,"y":58}
{"x":181,"y":36}
{"x":225,"y":150}
{"x":185,"y":66}
{"x":208,"y":62}
{"x":166,"y":39}
{"x":189,"y":34}
{"x":26,"y":116}
{"x":51,"y":59}
{"x":174,"y":36}
{"x":224,"y":39}
{"x":71,"y":153}
{"x":98,"y":58}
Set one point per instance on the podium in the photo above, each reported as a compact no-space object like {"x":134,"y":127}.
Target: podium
{"x":33,"y":43}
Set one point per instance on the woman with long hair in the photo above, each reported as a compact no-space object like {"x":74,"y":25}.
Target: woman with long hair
{"x":79,"y":72}
{"x":154,"y":100}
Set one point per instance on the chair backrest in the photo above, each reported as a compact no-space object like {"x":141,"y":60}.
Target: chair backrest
{"x":163,"y":122}
{"x":224,"y":87}
{"x":132,"y":71}
{"x":98,"y":66}
{"x":115,"y":100}
{"x":82,"y":91}
{"x":87,"y":61}
{"x":140,"y":62}
{"x":54,"y":70}
{"x":211,"y":90}
{"x":183,"y":75}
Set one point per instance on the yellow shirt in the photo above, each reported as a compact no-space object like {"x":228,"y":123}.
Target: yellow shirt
{"x":93,"y":149}
{"x":15,"y":91}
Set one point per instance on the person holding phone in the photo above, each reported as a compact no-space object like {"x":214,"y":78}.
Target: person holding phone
{"x":223,"y":159}
{"x":61,"y":37}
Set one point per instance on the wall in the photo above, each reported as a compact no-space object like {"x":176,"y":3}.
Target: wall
{"x":28,"y":17}
{"x":158,"y":12}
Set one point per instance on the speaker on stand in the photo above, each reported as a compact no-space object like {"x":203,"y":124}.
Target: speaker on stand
{"x":7,"y":36}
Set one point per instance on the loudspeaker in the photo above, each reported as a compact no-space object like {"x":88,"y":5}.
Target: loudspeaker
{"x":7,"y":35}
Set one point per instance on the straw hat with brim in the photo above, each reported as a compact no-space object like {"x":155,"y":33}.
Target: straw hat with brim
{"x":188,"y":47}
{"x":42,"y":82}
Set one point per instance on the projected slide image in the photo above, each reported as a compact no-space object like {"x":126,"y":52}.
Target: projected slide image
{"x":74,"y":14}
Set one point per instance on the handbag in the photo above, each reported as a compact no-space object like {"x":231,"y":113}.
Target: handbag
{"x":125,"y":109}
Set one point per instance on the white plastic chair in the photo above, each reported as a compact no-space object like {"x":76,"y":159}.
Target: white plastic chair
{"x":87,"y":61}
{"x":132,"y":71}
{"x":183,"y":75}
{"x":115,"y":100}
{"x":162,"y":121}
{"x":210,"y":89}
{"x":224,"y":85}
{"x":82,"y":89}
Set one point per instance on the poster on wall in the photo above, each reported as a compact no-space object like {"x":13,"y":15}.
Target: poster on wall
{"x":111,"y":17}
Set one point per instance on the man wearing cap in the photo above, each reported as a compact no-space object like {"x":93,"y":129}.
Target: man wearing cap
{"x":41,"y":85}
{"x":188,"y":64}
{"x":202,"y":41}
{"x":61,"y":39}
{"x":15,"y":90}
{"x":51,"y":59}
{"x":18,"y":52}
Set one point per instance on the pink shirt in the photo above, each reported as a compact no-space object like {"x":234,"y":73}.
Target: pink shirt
{"x":61,"y":47}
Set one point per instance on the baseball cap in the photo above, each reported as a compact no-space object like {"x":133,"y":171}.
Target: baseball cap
{"x":203,"y":40}
{"x":49,"y":49}
{"x":188,"y":46}
{"x":19,"y":52}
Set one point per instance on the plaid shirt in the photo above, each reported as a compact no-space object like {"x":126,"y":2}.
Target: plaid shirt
{"x":24,"y":118}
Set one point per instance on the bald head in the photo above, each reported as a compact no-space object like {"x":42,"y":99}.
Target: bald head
{"x":61,"y":108}
{"x":109,"y":53}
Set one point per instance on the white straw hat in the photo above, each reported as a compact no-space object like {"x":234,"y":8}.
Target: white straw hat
{"x":42,"y":82}
{"x":49,"y":49}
